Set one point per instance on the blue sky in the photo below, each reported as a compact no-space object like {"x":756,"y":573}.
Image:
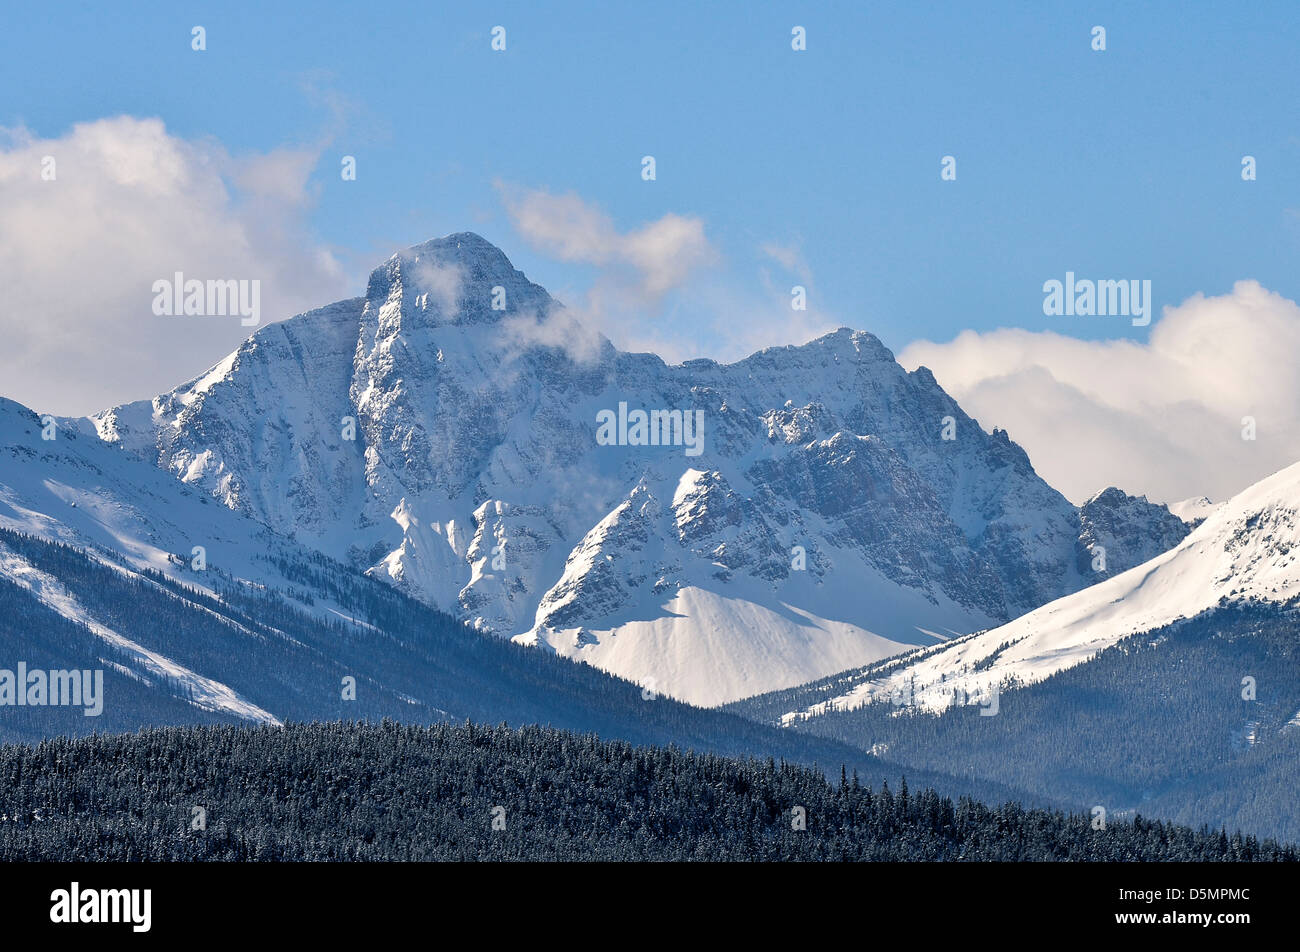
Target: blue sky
{"x":774,"y":167}
{"x":1122,"y":163}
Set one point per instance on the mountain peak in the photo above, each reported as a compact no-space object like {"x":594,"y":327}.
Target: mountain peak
{"x":859,"y":342}
{"x":1110,"y":496}
{"x":465,"y":246}
{"x":461,"y":278}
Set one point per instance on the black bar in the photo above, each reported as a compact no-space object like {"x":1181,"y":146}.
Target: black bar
{"x":978,"y":902}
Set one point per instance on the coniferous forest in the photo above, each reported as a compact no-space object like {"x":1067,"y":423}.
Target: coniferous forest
{"x":350,"y":791}
{"x":1157,"y":723}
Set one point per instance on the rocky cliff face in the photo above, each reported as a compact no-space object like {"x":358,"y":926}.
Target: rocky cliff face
{"x":455,"y":433}
{"x":1116,"y":524}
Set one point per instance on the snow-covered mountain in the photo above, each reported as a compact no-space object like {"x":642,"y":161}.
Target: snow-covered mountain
{"x":67,"y":488}
{"x":1246,"y":551}
{"x":97,"y":571}
{"x":799,"y":512}
{"x":1120,"y":531}
{"x":1192,"y":511}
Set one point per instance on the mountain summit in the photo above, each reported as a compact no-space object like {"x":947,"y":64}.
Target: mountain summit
{"x":454,"y":280}
{"x":444,"y":433}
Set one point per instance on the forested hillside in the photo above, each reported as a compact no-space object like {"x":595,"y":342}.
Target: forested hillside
{"x":339,"y":791}
{"x":410,"y":662}
{"x":1198,"y":722}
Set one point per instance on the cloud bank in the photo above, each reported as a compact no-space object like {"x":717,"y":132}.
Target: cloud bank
{"x":1163,"y":418}
{"x":129,"y":204}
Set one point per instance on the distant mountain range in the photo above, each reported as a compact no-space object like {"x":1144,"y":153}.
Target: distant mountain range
{"x":443,"y":433}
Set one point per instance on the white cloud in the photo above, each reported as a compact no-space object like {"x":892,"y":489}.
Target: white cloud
{"x":132,"y":204}
{"x":653,"y":259}
{"x":443,"y":281}
{"x":789,"y":257}
{"x":660,"y":287}
{"x":1162,"y":418}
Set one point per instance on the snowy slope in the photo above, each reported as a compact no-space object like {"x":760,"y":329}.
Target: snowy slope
{"x":1193,"y":510}
{"x":204,"y":693}
{"x":83,"y":492}
{"x":450,"y":448}
{"x":126,"y":514}
{"x":1246,"y":549}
